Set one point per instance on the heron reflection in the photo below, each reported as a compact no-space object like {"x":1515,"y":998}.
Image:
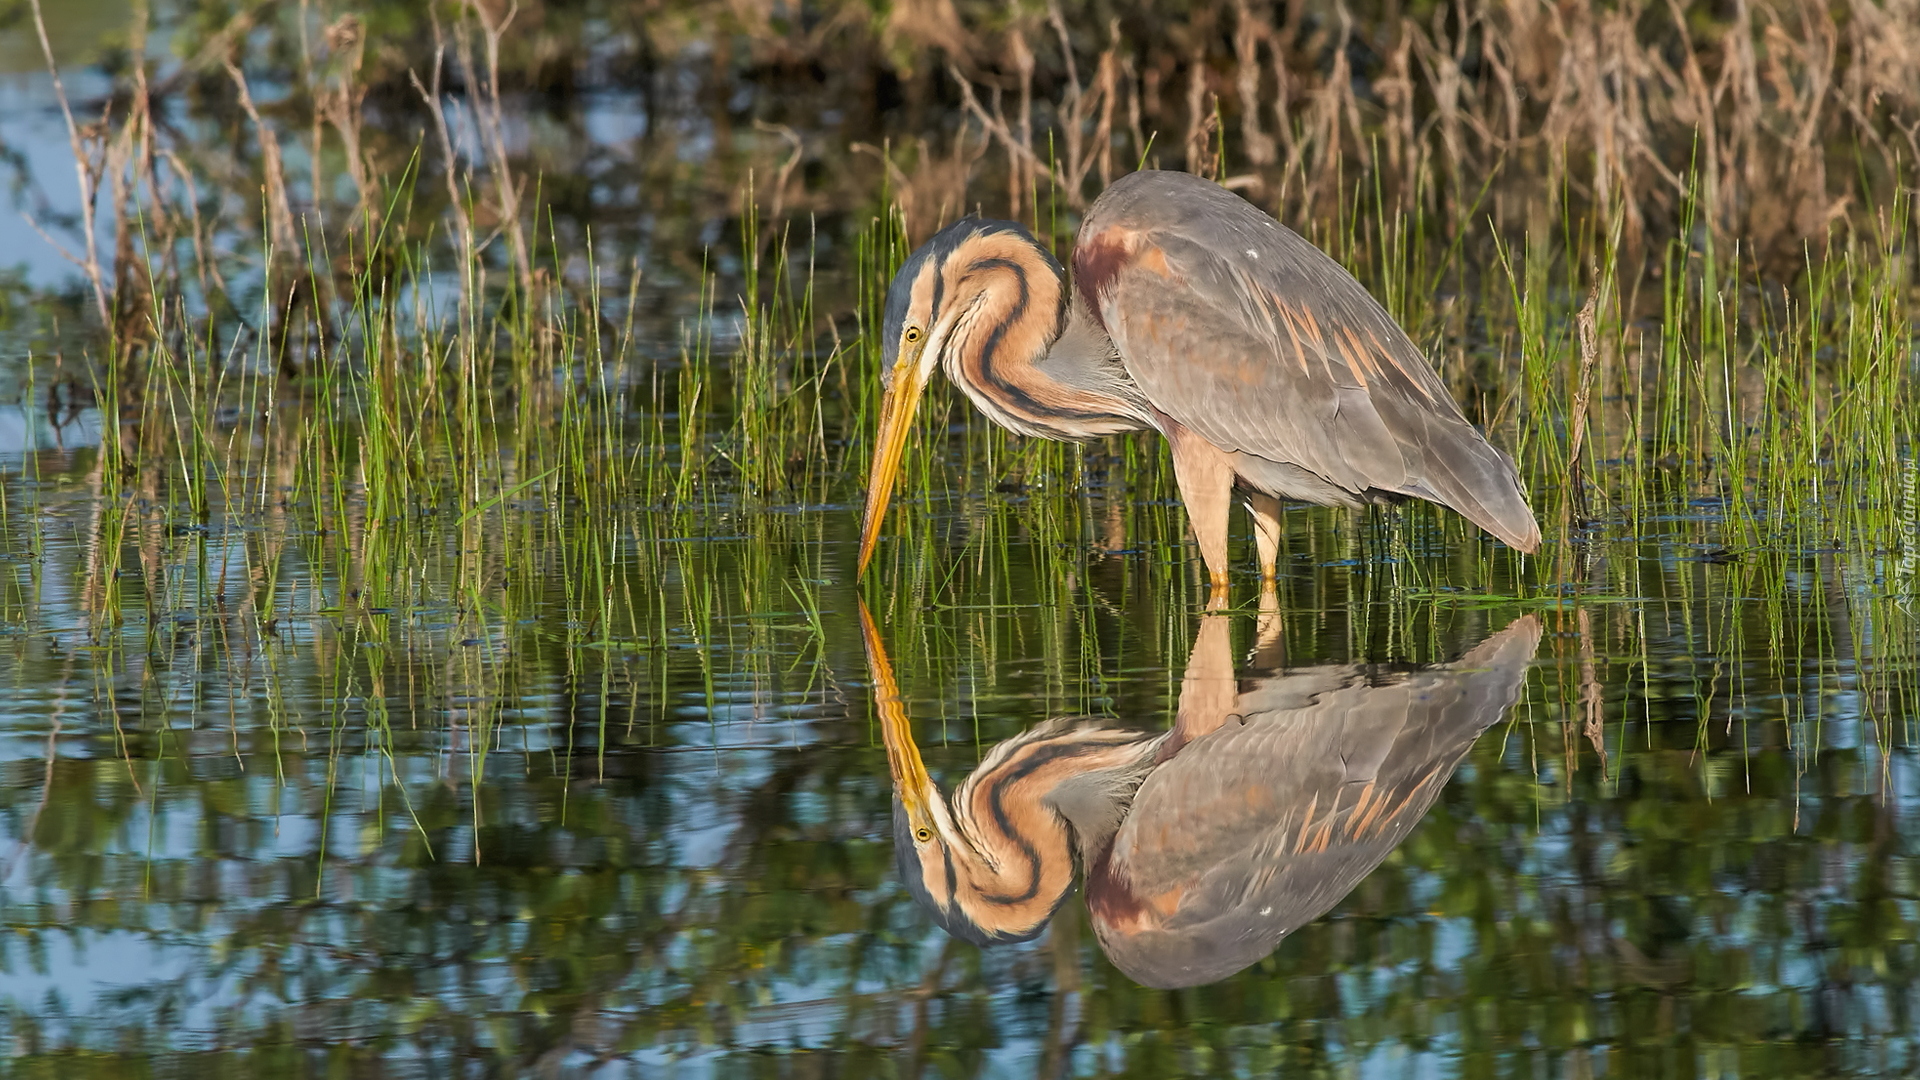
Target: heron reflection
{"x":1269,"y":799}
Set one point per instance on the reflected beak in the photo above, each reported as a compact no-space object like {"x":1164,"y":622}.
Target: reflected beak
{"x":910,"y":780}
{"x":896,"y":420}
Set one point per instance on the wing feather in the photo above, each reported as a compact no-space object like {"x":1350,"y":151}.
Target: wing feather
{"x":1236,"y":328}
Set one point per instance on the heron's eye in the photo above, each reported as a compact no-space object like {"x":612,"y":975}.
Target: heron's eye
{"x":912,"y":335}
{"x":922,"y":834}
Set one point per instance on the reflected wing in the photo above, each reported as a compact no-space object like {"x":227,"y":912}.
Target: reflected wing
{"x":1236,"y":328}
{"x":1261,"y":826}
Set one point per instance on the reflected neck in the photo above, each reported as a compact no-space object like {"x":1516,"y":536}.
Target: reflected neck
{"x":1036,"y":802}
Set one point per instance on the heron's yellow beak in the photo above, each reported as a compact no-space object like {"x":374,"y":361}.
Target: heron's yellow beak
{"x":896,"y":419}
{"x":910,"y":780}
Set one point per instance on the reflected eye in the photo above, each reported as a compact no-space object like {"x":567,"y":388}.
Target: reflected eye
{"x":923,"y":834}
{"x":912,"y":335}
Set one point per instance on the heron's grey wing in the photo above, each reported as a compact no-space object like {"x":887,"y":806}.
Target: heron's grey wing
{"x":1261,"y":826}
{"x":1239,"y":330}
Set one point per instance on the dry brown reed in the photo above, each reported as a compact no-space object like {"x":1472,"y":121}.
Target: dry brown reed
{"x":492,"y":125}
{"x":84,"y":171}
{"x":1778,"y":118}
{"x":1587,"y":333}
{"x":928,"y":188}
{"x":1790,"y":113}
{"x":143,"y":182}
{"x":1786,"y":116}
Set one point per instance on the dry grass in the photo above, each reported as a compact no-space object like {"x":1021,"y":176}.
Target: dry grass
{"x":1793,"y":114}
{"x":1656,"y":157}
{"x":1785,"y":116}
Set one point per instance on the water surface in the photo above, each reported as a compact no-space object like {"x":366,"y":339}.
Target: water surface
{"x":263,"y":810}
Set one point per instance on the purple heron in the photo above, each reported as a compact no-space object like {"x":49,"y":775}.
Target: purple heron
{"x":1266,"y":366}
{"x":1204,"y":845}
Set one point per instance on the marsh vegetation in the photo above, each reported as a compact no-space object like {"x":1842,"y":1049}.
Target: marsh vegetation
{"x":428,"y":611}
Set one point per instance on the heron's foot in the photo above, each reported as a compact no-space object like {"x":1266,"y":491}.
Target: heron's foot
{"x":1217,"y":594}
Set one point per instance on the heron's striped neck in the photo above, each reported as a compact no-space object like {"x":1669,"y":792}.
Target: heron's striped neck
{"x":1008,"y":857}
{"x":1026,"y":356}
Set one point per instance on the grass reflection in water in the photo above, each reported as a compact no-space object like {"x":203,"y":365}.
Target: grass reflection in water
{"x":458,"y":814}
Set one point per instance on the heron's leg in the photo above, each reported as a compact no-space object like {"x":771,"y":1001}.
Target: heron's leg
{"x":1209,"y":692}
{"x":1266,"y":533}
{"x":1269,"y":641}
{"x":1206,"y":485}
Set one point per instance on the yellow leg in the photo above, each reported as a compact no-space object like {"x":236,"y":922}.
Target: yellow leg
{"x":1266,"y":533}
{"x":1209,"y":691}
{"x":1218,"y":598}
{"x":1206,"y":486}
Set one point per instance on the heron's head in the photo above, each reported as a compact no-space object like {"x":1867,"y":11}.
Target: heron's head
{"x":996,"y":861}
{"x":985,"y":883}
{"x":991,"y":276}
{"x":937,"y":866}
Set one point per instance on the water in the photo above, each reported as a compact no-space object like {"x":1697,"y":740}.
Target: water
{"x":603,"y":790}
{"x":415,"y":834}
